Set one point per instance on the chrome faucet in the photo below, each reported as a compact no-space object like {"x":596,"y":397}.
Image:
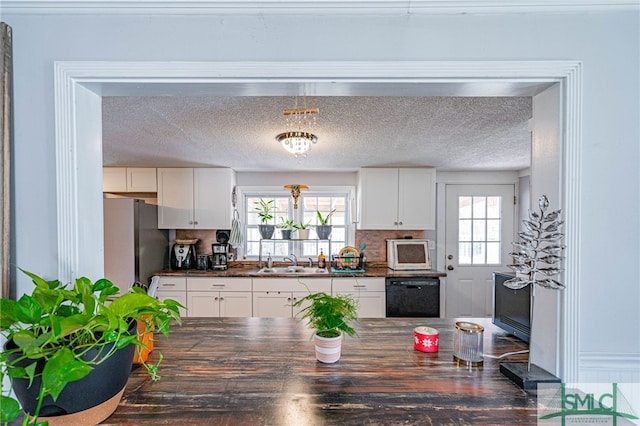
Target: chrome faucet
{"x":292,"y":257}
{"x":310,"y":263}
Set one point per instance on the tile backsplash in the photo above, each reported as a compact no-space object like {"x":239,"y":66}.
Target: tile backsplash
{"x":376,"y":250}
{"x":376,"y":240}
{"x":205,"y":237}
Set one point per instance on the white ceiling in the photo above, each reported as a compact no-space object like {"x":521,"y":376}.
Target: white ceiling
{"x":451,"y":127}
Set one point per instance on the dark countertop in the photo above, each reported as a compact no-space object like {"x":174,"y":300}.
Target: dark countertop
{"x":248,"y":270}
{"x":262,"y":371}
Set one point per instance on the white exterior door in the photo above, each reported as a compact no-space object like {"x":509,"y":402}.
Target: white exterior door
{"x":479,"y":230}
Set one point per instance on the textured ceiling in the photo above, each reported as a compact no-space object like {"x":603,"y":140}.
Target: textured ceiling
{"x":450,"y":133}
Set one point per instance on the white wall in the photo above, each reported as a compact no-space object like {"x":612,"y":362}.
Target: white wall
{"x":607,"y":43}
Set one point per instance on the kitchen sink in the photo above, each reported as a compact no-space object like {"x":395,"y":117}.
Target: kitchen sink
{"x":292,"y":270}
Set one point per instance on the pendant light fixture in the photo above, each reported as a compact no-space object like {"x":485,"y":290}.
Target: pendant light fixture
{"x":298,"y":137}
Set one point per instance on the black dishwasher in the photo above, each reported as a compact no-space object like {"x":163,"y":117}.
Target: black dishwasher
{"x":413,"y":297}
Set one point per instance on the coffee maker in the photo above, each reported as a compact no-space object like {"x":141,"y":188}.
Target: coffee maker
{"x":220,"y":250}
{"x":183,"y":254}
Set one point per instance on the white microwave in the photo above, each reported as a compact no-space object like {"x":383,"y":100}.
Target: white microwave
{"x":408,"y":254}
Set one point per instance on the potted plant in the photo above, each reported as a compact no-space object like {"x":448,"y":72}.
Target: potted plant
{"x":329,"y":316}
{"x":264,"y":209}
{"x":303,"y":230}
{"x":286,"y":227}
{"x":324,"y":229}
{"x":69,"y":348}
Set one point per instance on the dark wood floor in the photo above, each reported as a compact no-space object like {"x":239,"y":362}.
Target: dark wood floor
{"x":256,"y":371}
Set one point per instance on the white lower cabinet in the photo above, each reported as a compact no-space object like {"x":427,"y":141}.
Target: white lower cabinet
{"x":368,"y":292}
{"x":173,"y":288}
{"x":219,"y":297}
{"x":274,"y":297}
{"x":267,"y":297}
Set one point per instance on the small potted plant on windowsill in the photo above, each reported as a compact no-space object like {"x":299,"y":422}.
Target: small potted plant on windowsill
{"x":303,"y":230}
{"x":286,"y":227}
{"x":264,"y":209}
{"x":329,"y":316}
{"x":324,"y":229}
{"x":69,"y":349}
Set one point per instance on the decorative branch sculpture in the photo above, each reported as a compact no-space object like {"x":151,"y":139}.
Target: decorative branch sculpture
{"x":538,"y":254}
{"x":540,"y":245}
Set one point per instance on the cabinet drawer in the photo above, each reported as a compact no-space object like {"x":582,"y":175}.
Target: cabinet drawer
{"x":218,"y":284}
{"x":172,"y":283}
{"x":358,"y":284}
{"x":301,"y":284}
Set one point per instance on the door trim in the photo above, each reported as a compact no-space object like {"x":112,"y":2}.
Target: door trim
{"x":75,"y":159}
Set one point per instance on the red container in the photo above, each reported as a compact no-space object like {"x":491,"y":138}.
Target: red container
{"x":425,"y":339}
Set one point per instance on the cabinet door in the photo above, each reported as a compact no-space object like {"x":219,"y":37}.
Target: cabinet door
{"x":378,"y":198}
{"x":114,"y":179}
{"x":175,"y":198}
{"x":297,"y":295}
{"x":141,"y":179}
{"x":212,"y":198}
{"x":178,"y":296}
{"x":416,"y":198}
{"x":203,"y":303}
{"x":275,"y":304}
{"x":368,"y":292}
{"x":235,"y":304}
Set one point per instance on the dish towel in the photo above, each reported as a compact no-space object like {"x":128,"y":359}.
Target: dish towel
{"x":235,"y":239}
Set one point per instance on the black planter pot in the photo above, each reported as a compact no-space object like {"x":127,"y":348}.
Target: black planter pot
{"x":286,"y":234}
{"x":323,"y":231}
{"x":105,"y":381}
{"x":266,"y":231}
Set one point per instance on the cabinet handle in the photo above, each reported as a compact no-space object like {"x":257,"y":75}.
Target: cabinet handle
{"x":221,"y":298}
{"x":215,"y":298}
{"x":395,"y":223}
{"x":195,"y":222}
{"x":359,"y":286}
{"x":400,"y":223}
{"x":168,"y":285}
{"x":218,"y":285}
{"x":190,"y":222}
{"x":288,"y":299}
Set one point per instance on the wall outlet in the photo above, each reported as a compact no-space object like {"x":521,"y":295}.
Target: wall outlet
{"x":432,"y":245}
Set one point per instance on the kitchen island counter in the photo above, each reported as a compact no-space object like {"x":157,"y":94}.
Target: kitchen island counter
{"x":262,"y":371}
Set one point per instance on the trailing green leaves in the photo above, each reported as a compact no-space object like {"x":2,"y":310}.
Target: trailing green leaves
{"x":57,"y":325}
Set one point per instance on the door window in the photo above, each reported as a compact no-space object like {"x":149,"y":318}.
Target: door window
{"x":479,"y":230}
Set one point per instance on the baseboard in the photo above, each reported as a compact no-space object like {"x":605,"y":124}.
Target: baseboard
{"x":608,"y":367}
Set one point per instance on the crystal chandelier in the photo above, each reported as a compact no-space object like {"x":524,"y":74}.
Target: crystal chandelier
{"x":298,"y":137}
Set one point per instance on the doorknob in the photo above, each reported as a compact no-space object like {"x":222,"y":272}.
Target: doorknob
{"x":450,"y":267}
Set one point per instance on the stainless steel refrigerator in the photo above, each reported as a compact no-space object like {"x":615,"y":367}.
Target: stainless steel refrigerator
{"x":134,"y":247}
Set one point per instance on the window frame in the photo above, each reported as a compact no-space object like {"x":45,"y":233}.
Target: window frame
{"x":245,"y":192}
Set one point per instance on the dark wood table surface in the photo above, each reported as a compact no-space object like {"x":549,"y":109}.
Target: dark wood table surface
{"x":262,"y":371}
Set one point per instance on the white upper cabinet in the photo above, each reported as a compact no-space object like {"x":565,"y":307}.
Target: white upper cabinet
{"x":397,"y":198}
{"x":129,"y":179}
{"x":197,"y":198}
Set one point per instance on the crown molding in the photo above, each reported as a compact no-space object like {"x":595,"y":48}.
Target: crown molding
{"x":326,"y":7}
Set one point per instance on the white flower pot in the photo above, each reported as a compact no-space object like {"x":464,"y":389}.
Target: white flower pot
{"x":303,"y":234}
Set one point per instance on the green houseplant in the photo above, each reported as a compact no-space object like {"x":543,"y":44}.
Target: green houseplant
{"x":265,"y":209}
{"x":286,"y":227}
{"x":60,"y":336}
{"x":324,"y":229}
{"x":330,"y":317}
